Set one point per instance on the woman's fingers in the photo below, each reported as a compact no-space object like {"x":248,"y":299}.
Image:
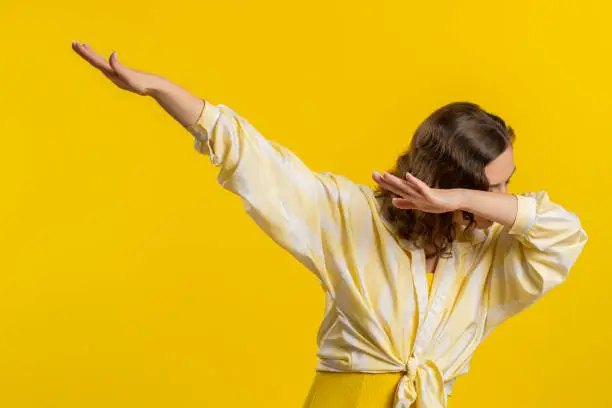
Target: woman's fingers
{"x":414,"y":194}
{"x":95,"y":59}
{"x":121,"y":71}
{"x":115,"y":64}
{"x":118,"y":73}
{"x":400,"y":184}
{"x":417,"y":183}
{"x":387,"y":183}
{"x":118,"y":67}
{"x":378,"y":178}
{"x":404,"y":204}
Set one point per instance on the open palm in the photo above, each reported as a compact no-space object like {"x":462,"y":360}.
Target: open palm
{"x":130,"y":79}
{"x":415,"y":194}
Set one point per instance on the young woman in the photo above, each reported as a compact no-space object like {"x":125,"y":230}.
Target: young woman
{"x":417,"y":272}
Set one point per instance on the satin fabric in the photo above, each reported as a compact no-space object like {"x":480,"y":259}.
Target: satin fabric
{"x":379,"y":316}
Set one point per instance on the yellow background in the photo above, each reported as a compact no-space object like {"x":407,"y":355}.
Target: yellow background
{"x":130,"y":278}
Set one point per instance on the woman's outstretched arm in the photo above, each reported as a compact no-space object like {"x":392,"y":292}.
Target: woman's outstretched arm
{"x":308,"y":213}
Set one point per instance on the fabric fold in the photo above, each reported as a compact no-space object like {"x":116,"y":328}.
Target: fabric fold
{"x":422,"y":384}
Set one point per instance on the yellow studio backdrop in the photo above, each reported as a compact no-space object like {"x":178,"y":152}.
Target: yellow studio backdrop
{"x":130,"y":278}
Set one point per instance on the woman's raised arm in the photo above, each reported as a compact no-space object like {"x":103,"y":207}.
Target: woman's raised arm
{"x":319,"y":217}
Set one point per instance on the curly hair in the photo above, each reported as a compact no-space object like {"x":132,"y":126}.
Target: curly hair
{"x":449,"y":149}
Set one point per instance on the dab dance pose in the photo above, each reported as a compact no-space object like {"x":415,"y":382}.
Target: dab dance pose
{"x":417,"y":271}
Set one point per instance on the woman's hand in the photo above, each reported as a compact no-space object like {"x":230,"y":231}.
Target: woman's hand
{"x":417,"y":195}
{"x":139,"y":82}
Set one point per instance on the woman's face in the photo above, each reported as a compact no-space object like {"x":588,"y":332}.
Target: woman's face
{"x":498,"y":174}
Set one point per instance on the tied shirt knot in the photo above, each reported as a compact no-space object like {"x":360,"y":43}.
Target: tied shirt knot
{"x":411,"y":368}
{"x":423,"y":382}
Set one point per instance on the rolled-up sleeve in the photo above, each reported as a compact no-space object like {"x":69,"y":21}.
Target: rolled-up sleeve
{"x":533,"y":256}
{"x":202,"y":130}
{"x":299,"y":209}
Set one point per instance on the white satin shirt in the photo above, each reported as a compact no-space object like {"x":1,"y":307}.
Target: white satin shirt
{"x":379,"y":316}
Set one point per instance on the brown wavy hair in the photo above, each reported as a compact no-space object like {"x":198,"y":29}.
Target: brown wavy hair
{"x":449,"y":149}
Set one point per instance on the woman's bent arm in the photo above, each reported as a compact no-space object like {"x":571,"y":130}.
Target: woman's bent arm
{"x":532,"y":256}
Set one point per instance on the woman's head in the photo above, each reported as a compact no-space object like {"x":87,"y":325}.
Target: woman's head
{"x":460,"y":145}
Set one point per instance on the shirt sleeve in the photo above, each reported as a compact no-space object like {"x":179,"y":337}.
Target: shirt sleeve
{"x":301,"y":210}
{"x":531,"y":257}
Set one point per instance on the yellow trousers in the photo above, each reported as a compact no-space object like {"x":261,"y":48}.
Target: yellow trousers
{"x":352,"y":390}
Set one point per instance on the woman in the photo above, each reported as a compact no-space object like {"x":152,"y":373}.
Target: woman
{"x":417,"y":273}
